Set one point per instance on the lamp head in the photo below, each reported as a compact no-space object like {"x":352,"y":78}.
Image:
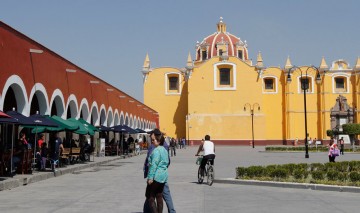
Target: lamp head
{"x":318,"y":78}
{"x":288,"y":79}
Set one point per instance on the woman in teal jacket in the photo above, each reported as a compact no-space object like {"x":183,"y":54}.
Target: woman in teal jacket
{"x":158,"y":173}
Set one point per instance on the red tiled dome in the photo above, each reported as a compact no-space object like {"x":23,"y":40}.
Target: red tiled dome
{"x":221,"y":37}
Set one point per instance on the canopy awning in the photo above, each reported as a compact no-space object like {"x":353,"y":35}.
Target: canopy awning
{"x":21,"y":119}
{"x":140,"y":130}
{"x":6,"y":119}
{"x":124,"y":129}
{"x":3,"y":115}
{"x":88,"y":125}
{"x":104,"y":128}
{"x":83,"y":129}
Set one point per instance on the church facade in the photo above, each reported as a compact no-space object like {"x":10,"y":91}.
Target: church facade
{"x":224,"y":94}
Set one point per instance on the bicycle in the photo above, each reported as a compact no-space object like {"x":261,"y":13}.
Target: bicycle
{"x":209,"y":171}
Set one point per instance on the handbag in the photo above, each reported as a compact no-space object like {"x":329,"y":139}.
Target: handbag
{"x":335,"y":152}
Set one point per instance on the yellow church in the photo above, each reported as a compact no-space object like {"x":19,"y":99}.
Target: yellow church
{"x":224,"y":94}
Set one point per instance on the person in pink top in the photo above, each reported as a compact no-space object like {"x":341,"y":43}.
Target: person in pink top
{"x":332,"y":147}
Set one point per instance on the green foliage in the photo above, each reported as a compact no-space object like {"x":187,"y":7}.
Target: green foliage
{"x":317,"y":167}
{"x":313,"y":148}
{"x":330,"y":133}
{"x":279,"y":173}
{"x":332,"y":175}
{"x":354,"y":176}
{"x":339,"y":173}
{"x":289,"y":168}
{"x":240,"y":172}
{"x":317,"y":175}
{"x":298,"y":173}
{"x":351,"y":129}
{"x":255,"y":171}
{"x":342,"y":176}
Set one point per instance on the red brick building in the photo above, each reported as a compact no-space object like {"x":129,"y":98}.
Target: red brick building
{"x":34,"y":78}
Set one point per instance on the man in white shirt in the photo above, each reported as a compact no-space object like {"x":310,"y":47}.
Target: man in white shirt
{"x":209,"y":152}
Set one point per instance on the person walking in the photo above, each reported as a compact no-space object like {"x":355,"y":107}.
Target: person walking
{"x":341,"y":141}
{"x":173,"y":147}
{"x":156,"y":135}
{"x":332,"y":151}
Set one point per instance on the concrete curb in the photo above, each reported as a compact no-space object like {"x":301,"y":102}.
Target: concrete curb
{"x":290,"y":185}
{"x":23,"y":180}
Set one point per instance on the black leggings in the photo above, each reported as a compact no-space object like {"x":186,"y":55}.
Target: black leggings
{"x":205,"y":160}
{"x":154,"y":191}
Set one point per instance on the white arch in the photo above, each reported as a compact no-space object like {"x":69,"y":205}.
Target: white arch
{"x":131,"y":123}
{"x":42,"y":97}
{"x":127,"y":122}
{"x":135,"y":122}
{"x":102,"y":115}
{"x":142,"y":124}
{"x":116,"y":118}
{"x":84,"y":109}
{"x":73,"y":104}
{"x":58,"y":98}
{"x":16,"y":83}
{"x":122,"y":118}
{"x":138,"y":123}
{"x":110,"y":117}
{"x":94,"y":114}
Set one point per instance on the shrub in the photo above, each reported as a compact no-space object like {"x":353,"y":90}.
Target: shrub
{"x":354,"y":176}
{"x":289,"y":168}
{"x":280,"y":173}
{"x":342,"y":176}
{"x":298,"y":173}
{"x":354,"y":166}
{"x":255,"y":171}
{"x":269,"y":169}
{"x":303,"y":166}
{"x":240,"y":172}
{"x":317,"y":175}
{"x":317,"y":167}
{"x":332,"y":175}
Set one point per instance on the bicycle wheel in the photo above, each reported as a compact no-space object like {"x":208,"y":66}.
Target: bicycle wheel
{"x":210,"y":175}
{"x":200,"y":177}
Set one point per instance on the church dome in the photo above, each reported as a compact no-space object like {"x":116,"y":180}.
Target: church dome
{"x":221,"y":43}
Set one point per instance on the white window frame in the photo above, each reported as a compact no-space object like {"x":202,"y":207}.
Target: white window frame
{"x":167,"y":91}
{"x":344,"y":75}
{"x":299,"y":84}
{"x":264,"y":91}
{"x":216,"y":78}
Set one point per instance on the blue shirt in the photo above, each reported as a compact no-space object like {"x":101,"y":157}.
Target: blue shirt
{"x":158,"y":163}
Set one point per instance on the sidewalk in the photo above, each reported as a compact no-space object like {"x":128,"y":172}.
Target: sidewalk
{"x":7,"y":183}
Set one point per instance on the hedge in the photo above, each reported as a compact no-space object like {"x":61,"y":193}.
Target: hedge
{"x":339,"y":173}
{"x":313,"y":148}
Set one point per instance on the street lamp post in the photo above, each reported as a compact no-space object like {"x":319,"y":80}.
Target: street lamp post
{"x":31,"y":51}
{"x":304,"y":87}
{"x":252,"y":107}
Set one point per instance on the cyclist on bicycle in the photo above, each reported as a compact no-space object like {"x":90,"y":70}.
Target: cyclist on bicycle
{"x":209,"y":152}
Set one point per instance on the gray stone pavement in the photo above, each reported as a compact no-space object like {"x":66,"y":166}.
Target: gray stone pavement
{"x":118,"y":186}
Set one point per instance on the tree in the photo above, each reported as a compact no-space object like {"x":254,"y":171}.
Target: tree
{"x":352,"y":130}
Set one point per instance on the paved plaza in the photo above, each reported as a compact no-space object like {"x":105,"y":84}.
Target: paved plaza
{"x":118,"y":186}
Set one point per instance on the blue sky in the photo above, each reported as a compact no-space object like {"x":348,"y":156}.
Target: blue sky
{"x":111,"y":38}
